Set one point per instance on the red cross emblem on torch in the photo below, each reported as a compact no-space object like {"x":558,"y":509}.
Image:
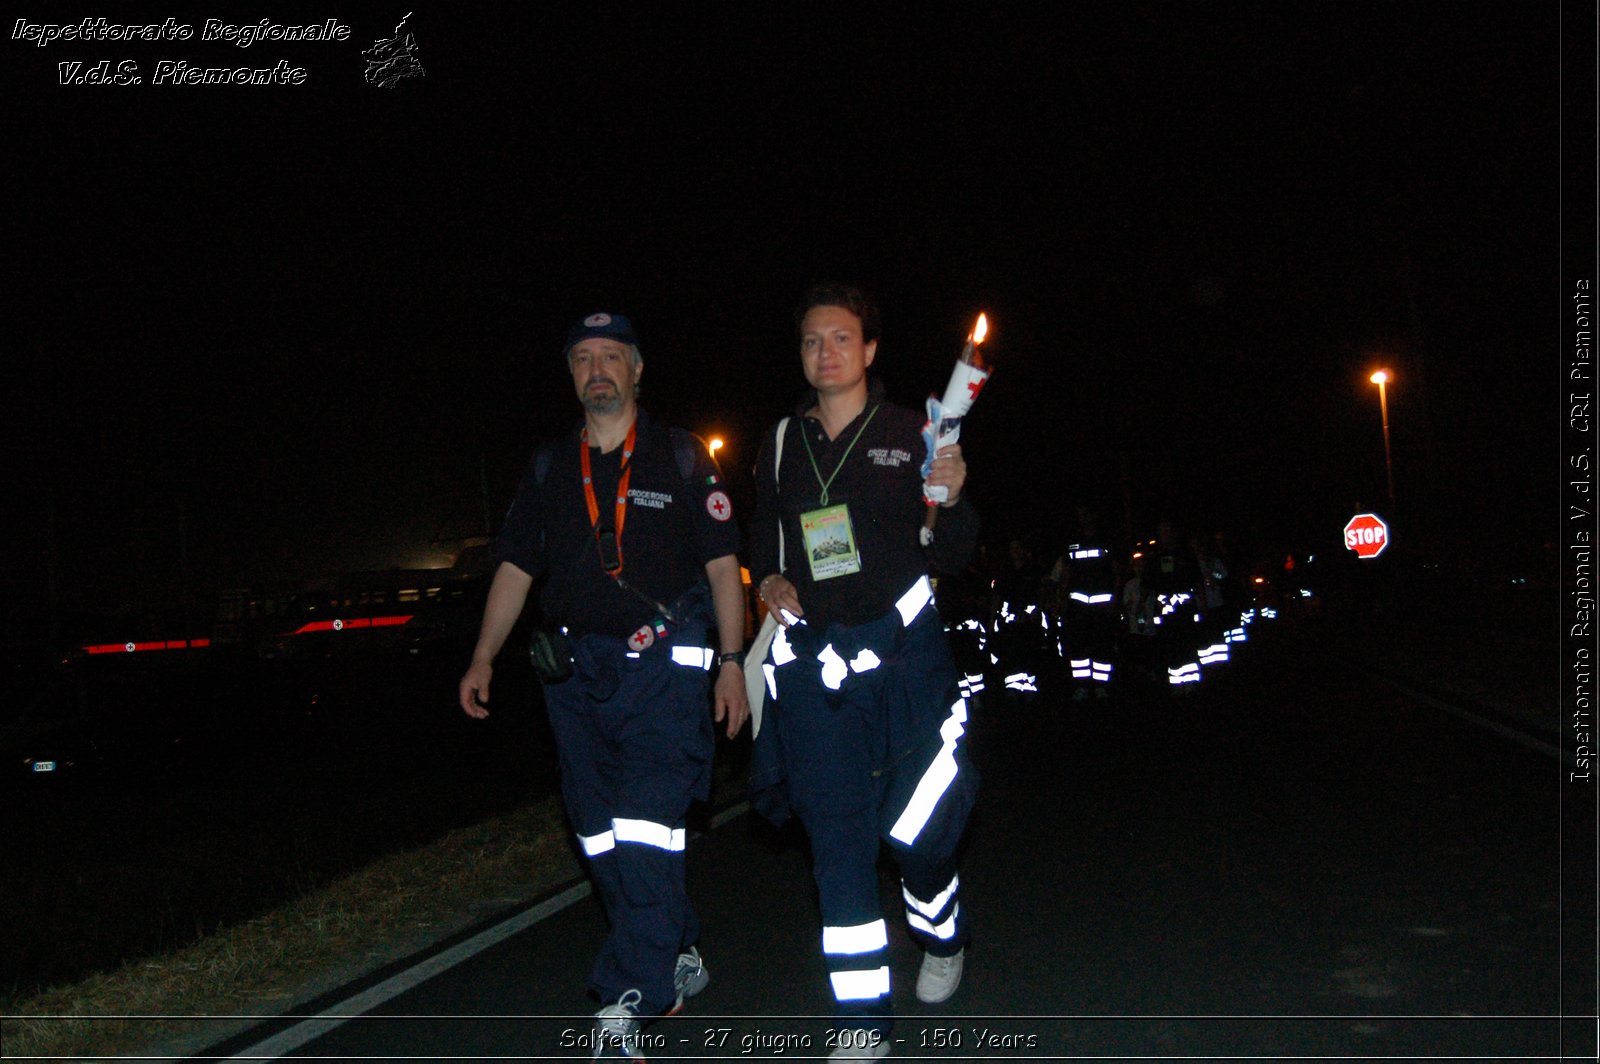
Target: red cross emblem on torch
{"x":971,"y":373}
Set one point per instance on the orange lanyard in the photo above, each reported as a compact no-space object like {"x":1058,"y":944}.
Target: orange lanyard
{"x":622,"y":489}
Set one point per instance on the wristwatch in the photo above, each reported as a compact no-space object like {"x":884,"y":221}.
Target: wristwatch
{"x":735,"y":656}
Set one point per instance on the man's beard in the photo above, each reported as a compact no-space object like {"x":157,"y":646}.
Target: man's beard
{"x":603,"y":401}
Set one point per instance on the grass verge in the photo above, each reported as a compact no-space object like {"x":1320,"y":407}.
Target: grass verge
{"x":224,"y":983}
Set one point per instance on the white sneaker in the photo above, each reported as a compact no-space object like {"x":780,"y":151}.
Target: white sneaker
{"x":689,"y":977}
{"x":616,"y":1030}
{"x":873,"y":1050}
{"x":939,"y":977}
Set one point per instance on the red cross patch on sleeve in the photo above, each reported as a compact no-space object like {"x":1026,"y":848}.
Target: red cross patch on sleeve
{"x":719,"y":506}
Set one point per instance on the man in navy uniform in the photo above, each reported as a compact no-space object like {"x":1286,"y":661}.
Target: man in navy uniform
{"x":868,"y":718}
{"x":631,"y":522}
{"x":1090,"y":608}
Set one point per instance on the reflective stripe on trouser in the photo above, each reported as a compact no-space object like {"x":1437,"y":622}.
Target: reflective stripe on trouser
{"x":850,"y":794}
{"x":1090,"y":637}
{"x":630,"y":766}
{"x":936,"y":916}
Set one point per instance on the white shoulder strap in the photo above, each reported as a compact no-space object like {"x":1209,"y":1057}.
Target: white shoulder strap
{"x":777,"y":464}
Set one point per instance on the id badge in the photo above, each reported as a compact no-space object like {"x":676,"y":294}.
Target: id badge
{"x":830,"y":542}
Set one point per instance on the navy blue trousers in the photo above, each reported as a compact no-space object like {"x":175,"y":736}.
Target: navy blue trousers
{"x":871,"y":723}
{"x":635,"y":743}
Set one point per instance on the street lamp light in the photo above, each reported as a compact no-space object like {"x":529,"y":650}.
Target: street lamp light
{"x":1381,"y":378}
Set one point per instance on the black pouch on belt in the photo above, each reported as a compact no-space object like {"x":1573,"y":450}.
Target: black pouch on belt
{"x":551,"y":654}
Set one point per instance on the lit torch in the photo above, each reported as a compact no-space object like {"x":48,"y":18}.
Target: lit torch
{"x":944,"y":415}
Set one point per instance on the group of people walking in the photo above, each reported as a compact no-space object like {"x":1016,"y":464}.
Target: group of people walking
{"x":862,"y":713}
{"x":1150,"y":619}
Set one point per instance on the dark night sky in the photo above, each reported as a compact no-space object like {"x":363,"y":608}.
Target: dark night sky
{"x":308,"y":316}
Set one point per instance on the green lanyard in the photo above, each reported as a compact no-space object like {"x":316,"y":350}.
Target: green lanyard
{"x":805,"y":438}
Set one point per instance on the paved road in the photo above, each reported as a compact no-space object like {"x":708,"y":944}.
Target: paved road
{"x":1296,"y":860}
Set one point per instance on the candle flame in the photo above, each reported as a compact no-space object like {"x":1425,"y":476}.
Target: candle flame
{"x":980,"y":330}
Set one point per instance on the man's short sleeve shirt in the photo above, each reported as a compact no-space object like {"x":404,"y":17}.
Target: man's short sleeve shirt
{"x":673,"y":526}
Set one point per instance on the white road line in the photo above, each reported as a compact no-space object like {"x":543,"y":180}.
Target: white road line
{"x":735,"y":810}
{"x":1520,"y":737}
{"x":306,"y":1031}
{"x":287,"y":1041}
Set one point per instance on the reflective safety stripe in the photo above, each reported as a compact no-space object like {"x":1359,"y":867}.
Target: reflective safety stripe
{"x":1214,"y":654}
{"x":595,"y":845}
{"x":782,"y":652}
{"x":935,"y":781}
{"x":933,"y":908}
{"x":1093,"y":552}
{"x":946,"y":930}
{"x":1093,"y":600}
{"x":1189,"y":673}
{"x":649,"y":833}
{"x":694,"y":657}
{"x":860,"y":938}
{"x":1022,"y":681}
{"x":860,"y":986}
{"x":1171,"y":602}
{"x":772,"y":679}
{"x":912,"y":602}
{"x":834,"y":670}
{"x":865,"y":661}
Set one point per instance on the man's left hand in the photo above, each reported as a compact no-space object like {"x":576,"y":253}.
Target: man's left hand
{"x":732,"y":702}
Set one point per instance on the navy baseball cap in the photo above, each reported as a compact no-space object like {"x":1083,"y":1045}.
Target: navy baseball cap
{"x":602,"y":325}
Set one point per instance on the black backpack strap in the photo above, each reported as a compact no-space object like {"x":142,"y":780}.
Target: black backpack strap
{"x":686,"y":447}
{"x":541,"y":463}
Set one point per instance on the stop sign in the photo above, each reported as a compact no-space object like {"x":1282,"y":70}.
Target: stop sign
{"x":1367,"y":535}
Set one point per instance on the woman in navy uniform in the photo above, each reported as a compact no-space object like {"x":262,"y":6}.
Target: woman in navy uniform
{"x":868,"y":720}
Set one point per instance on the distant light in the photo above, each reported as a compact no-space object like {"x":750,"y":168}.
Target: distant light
{"x":1380,"y":377}
{"x":430,"y":560}
{"x":715,"y":444}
